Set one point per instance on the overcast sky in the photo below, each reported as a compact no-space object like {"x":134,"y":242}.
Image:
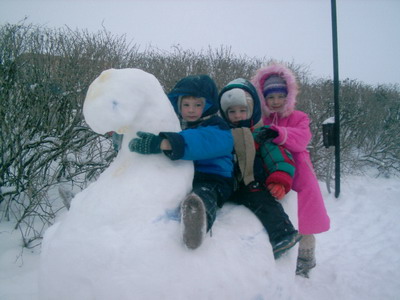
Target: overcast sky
{"x":289,"y":30}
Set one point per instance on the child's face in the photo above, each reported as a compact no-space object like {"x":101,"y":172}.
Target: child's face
{"x":192,"y":108}
{"x":275,"y":101}
{"x":237,"y":113}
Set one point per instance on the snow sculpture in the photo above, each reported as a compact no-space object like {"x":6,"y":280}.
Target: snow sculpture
{"x":121,"y":238}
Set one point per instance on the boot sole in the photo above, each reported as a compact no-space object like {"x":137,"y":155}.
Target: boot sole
{"x":193,"y":219}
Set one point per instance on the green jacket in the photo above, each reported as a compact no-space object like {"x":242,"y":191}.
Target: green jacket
{"x":278,"y":162}
{"x":263,"y":162}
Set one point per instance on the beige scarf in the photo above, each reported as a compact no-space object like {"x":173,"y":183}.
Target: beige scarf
{"x":245,"y":152}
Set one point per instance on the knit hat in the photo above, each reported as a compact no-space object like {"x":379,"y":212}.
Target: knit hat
{"x":236,"y":97}
{"x":274,"y":84}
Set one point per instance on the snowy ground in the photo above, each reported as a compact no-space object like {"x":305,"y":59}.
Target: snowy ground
{"x":357,"y":259}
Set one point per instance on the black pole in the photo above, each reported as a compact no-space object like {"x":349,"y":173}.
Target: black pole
{"x":336,"y":98}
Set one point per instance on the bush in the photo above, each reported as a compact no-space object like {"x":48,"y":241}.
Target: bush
{"x":45,"y":143}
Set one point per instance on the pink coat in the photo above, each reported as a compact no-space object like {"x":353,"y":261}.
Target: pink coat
{"x":294,"y":134}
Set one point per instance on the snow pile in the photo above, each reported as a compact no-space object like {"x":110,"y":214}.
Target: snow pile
{"x":357,"y":259}
{"x":121,"y":237}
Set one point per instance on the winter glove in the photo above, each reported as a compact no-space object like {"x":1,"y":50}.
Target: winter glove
{"x":265,"y":135}
{"x":117,"y":140}
{"x":277,"y":190}
{"x":146,"y":143}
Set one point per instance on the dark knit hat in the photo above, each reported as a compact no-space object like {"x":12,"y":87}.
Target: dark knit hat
{"x":274,"y":84}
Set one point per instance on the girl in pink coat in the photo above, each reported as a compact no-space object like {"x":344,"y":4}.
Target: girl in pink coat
{"x":276,"y":84}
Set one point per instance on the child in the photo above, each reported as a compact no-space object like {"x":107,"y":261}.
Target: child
{"x":276,"y":84}
{"x":207,"y":140}
{"x":258,"y":168}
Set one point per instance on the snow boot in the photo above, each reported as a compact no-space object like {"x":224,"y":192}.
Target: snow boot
{"x":193,"y":221}
{"x":306,"y":257}
{"x":304,"y":267}
{"x":285,"y":244}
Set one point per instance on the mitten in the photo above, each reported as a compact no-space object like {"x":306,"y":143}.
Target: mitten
{"x":146,"y":143}
{"x":277,"y":190}
{"x":281,"y":178}
{"x":117,"y":140}
{"x":266,"y":134}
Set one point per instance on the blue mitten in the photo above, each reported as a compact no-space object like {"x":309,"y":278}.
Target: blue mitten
{"x":146,"y":143}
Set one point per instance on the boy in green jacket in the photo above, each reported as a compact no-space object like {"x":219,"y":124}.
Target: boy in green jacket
{"x":263,"y":171}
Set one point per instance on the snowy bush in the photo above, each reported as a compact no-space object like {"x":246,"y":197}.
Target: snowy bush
{"x":369,"y":126}
{"x":44,"y":141}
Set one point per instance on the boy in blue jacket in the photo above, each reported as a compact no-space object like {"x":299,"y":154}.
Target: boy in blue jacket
{"x":206,"y":139}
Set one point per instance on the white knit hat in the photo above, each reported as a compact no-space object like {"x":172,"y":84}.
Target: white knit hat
{"x":237,"y":96}
{"x":233,"y":97}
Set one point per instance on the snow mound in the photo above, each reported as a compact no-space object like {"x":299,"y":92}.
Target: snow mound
{"x":121,"y":238}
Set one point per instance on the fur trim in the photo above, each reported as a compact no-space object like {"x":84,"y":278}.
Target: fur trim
{"x":263,"y":73}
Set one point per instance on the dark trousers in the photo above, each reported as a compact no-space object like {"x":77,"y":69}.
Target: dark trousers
{"x":214,"y":190}
{"x":209,"y":195}
{"x":268,"y":210}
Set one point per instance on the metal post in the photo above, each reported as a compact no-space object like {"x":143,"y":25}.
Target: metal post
{"x":336,"y":98}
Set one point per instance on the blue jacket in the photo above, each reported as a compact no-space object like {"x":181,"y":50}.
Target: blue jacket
{"x":209,"y":145}
{"x":209,"y":141}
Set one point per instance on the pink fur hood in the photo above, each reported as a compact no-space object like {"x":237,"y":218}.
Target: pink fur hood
{"x":263,"y":73}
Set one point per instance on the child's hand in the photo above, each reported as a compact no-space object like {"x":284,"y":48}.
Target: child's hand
{"x":277,"y":190}
{"x":265,"y":135}
{"x":146,"y":143}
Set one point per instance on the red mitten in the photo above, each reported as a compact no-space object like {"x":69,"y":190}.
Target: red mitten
{"x":277,"y":190}
{"x":280,"y":177}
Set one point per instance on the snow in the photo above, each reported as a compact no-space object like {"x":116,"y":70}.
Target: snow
{"x":357,"y":259}
{"x":130,"y":216}
{"x":329,"y":120}
{"x":121,"y":238}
